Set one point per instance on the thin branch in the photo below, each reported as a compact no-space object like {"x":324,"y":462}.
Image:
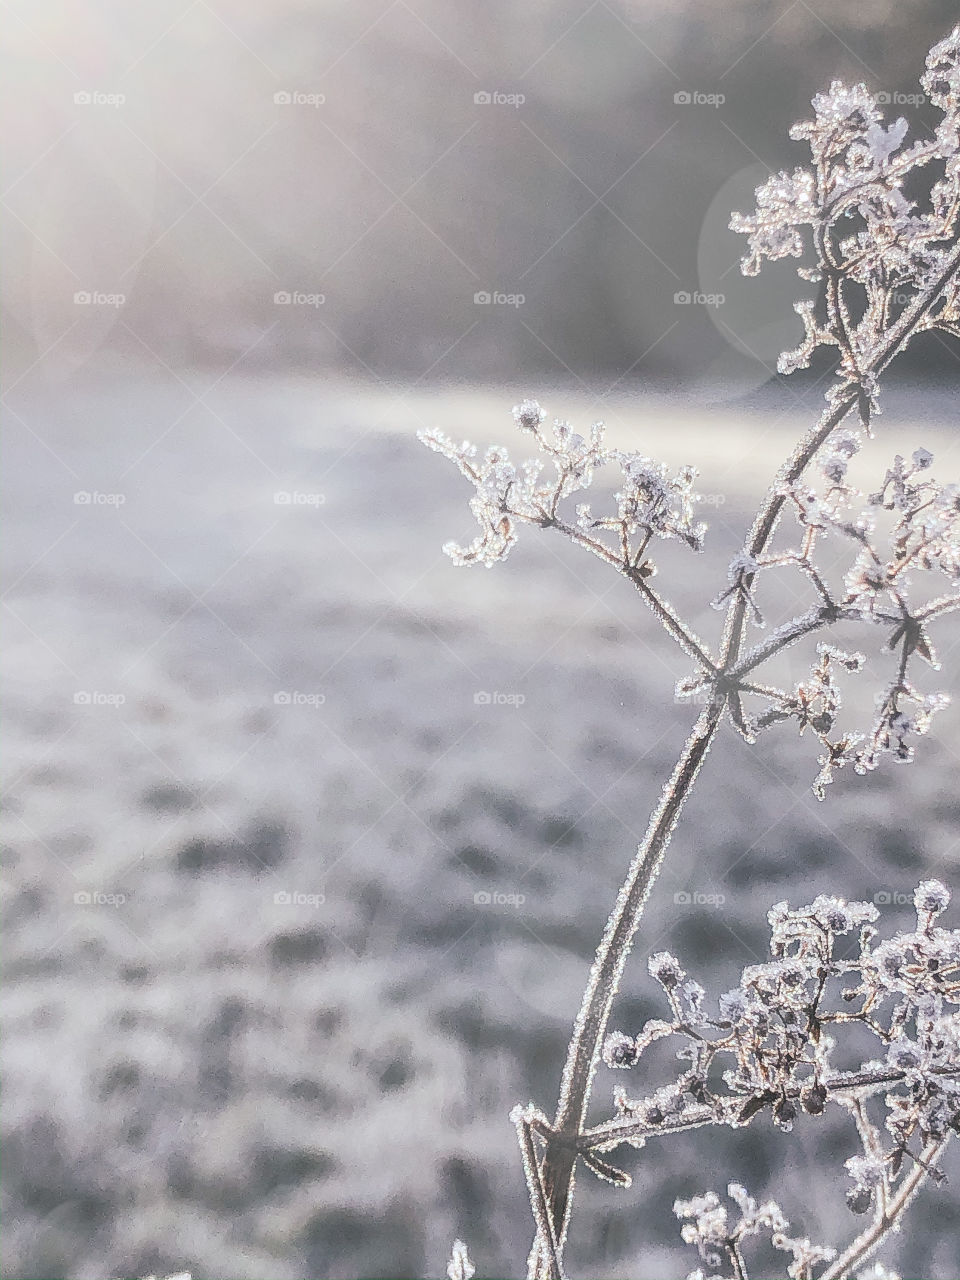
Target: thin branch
{"x":692,"y":646}
{"x":886,"y":1220}
{"x":607,"y":970}
{"x":725,"y":1111}
{"x":546,"y":1245}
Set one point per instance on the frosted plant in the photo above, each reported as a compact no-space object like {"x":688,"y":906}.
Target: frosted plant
{"x":874,"y":218}
{"x":777,"y":1033}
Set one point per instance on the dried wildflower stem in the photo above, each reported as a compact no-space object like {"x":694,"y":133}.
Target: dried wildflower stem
{"x":804,"y":624}
{"x":662,"y":610}
{"x":615,"y":1133}
{"x":590,"y":1028}
{"x":583,"y":1053}
{"x":888,"y":1217}
{"x":538,"y":1202}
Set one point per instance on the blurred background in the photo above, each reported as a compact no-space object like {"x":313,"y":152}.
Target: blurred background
{"x":310,"y":838}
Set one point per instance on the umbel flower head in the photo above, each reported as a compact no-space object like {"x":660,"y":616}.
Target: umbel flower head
{"x":850,"y":217}
{"x":651,"y":502}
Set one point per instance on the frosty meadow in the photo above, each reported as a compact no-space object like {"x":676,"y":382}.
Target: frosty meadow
{"x":838,"y":1017}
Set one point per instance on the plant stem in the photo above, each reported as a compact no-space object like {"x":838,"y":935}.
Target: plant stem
{"x":886,"y":1221}
{"x":560,"y":1156}
{"x":688,"y":642}
{"x":606,"y":1137}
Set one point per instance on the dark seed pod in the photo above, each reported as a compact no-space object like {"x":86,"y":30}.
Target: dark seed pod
{"x":859,"y":1199}
{"x":752,"y":1106}
{"x":785,"y":1112}
{"x":621,"y":1051}
{"x":814,"y":1099}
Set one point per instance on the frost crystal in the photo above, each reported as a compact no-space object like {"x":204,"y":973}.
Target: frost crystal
{"x":460,"y":1267}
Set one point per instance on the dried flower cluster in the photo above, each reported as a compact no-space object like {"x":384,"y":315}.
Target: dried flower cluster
{"x":650,"y":502}
{"x":720,"y":1241}
{"x":849,"y":206}
{"x":900,"y":536}
{"x":780,"y":1030}
{"x":875,"y":220}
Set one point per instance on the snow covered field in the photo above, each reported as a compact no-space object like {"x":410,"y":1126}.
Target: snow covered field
{"x":260,"y":1020}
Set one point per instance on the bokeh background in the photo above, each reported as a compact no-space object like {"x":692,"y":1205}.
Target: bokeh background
{"x":258,"y":1024}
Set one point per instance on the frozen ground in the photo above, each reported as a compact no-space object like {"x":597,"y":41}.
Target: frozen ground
{"x":199,"y":1075}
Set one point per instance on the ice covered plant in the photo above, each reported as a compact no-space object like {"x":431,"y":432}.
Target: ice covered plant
{"x":874,"y":219}
{"x":771,"y":1044}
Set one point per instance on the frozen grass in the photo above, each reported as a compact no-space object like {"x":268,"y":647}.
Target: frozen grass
{"x":201,"y":1079}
